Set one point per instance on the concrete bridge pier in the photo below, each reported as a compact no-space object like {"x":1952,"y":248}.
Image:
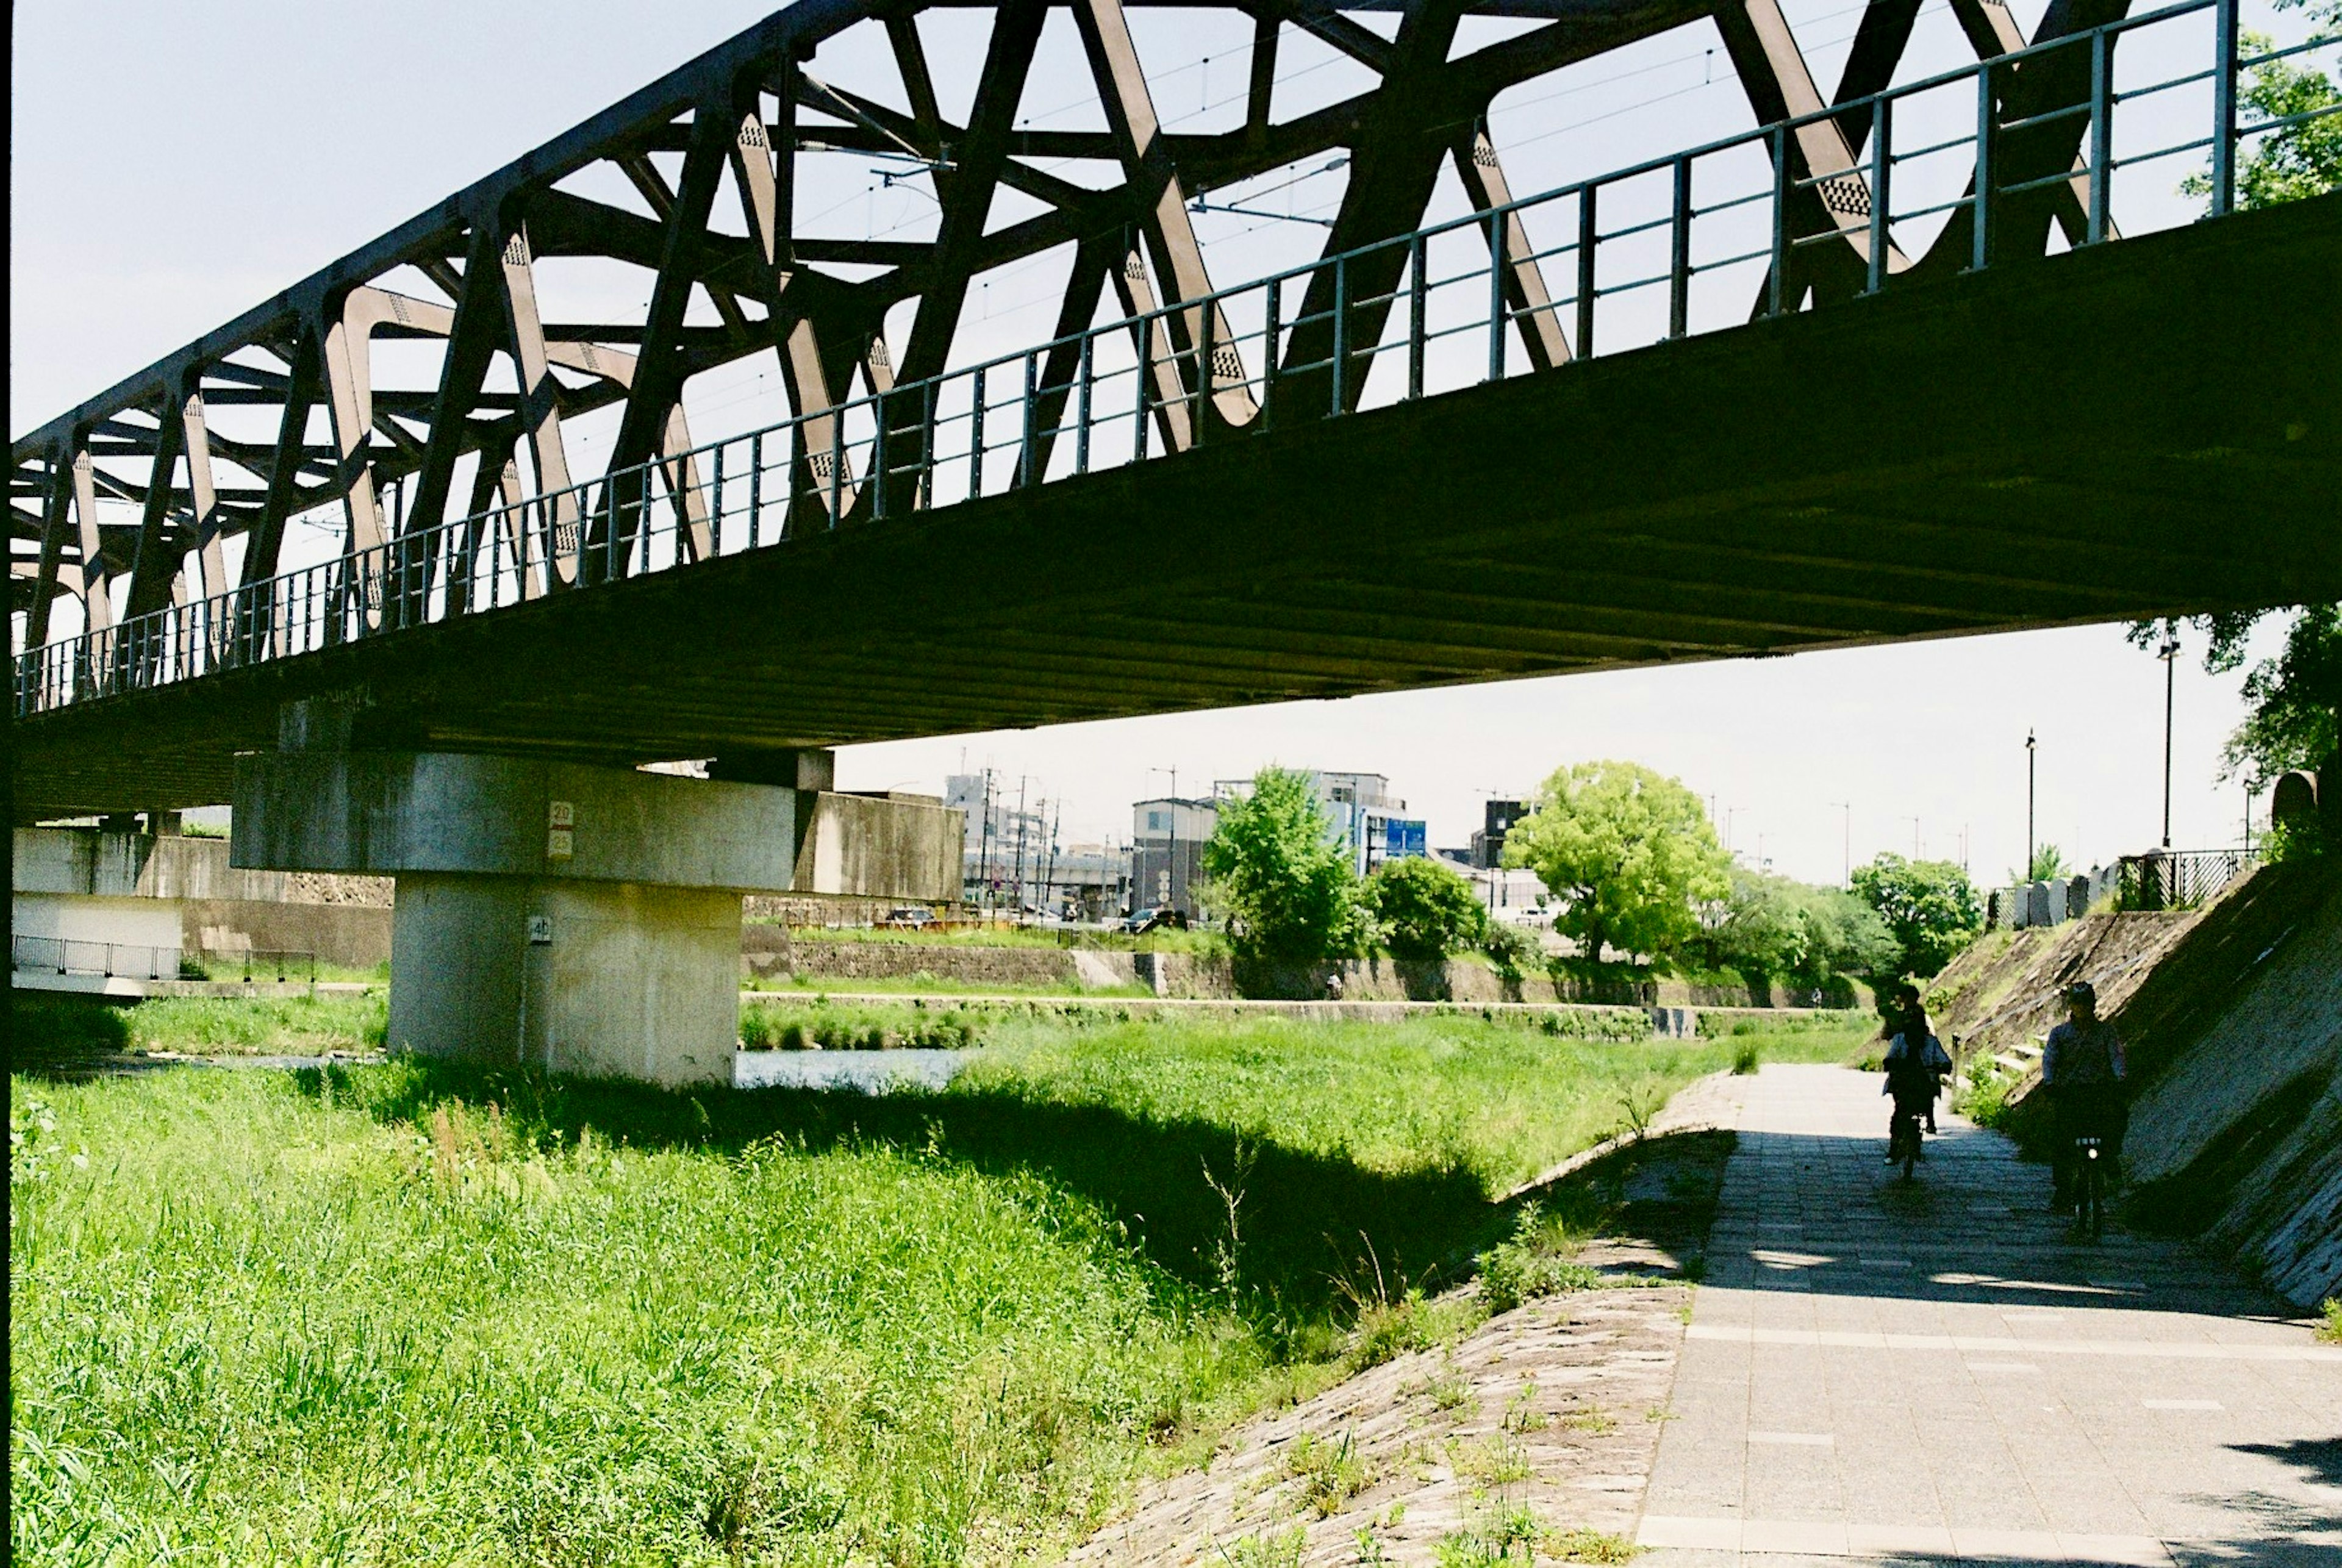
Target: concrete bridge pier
{"x":579,"y":918}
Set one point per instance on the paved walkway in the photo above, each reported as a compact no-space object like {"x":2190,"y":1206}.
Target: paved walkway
{"x":1883,"y":1373}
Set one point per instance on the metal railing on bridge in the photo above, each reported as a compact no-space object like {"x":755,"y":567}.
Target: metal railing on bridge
{"x":1647,"y":249}
{"x":2180,"y":879}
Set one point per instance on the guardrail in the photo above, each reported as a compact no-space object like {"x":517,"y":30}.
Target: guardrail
{"x":111,"y":960}
{"x":1642,"y":247}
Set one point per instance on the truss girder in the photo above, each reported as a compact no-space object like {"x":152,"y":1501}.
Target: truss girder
{"x":146,"y":453}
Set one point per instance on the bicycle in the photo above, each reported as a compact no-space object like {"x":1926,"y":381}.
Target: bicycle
{"x":1903,"y":1140}
{"x":2089,"y":1186}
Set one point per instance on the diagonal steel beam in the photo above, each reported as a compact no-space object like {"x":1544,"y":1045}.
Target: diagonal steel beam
{"x":346,"y":336}
{"x":96,"y":584}
{"x":1395,"y":158}
{"x":304,"y":362}
{"x":821,"y":482}
{"x":203,"y":561}
{"x":1093,"y":259}
{"x":1526,"y":294}
{"x":1162,"y":205}
{"x":1780,"y":85}
{"x":559,"y":514}
{"x":658,"y":380}
{"x":152,"y":570}
{"x":471,"y":346}
{"x":966,"y":191}
{"x":1992,"y":30}
{"x":1150,"y":333}
{"x":56,"y":511}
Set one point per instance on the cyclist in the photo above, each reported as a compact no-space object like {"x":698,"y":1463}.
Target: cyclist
{"x":2083,"y":1069}
{"x":1916,"y":1063}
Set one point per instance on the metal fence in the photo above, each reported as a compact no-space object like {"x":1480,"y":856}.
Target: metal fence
{"x":250,"y":965}
{"x":1647,"y":252}
{"x":2180,"y":879}
{"x":111,"y":960}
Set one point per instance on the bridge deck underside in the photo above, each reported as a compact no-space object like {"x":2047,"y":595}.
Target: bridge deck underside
{"x":2150,"y":427}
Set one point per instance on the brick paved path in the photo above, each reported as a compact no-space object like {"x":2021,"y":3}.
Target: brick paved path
{"x":1926,"y":1373}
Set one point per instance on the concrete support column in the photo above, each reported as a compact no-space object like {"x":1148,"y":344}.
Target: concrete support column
{"x":581,"y":919}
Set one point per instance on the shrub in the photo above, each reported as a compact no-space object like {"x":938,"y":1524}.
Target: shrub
{"x":1426,"y":910}
{"x":1512,"y":950}
{"x":1539,"y":1260}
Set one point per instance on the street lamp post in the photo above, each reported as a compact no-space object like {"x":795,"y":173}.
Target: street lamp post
{"x":2169,"y":654}
{"x":1848,"y":807}
{"x":2029,"y":806}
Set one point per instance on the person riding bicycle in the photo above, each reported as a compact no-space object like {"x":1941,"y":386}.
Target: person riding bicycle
{"x":1916,"y":1063}
{"x":2084,"y":1073}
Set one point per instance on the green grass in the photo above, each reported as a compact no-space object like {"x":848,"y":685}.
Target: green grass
{"x":426,"y":1312}
{"x":48,"y":1030}
{"x":2331,"y":1329}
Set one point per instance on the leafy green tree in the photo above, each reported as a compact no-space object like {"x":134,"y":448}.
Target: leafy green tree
{"x":1629,"y":854}
{"x":1426,"y":910}
{"x":1287,"y":886}
{"x":2304,"y":159}
{"x":2049,"y":865}
{"x":1849,"y":938}
{"x":1763,"y":929}
{"x":2293,"y":714}
{"x":1777,"y":926}
{"x":1929,"y":905}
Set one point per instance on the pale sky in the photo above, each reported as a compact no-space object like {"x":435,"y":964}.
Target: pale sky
{"x":174,"y":164}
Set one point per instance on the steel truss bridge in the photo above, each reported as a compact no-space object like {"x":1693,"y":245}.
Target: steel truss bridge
{"x":1898,"y":412}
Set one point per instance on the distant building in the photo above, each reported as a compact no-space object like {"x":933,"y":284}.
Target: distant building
{"x":1488,"y":843}
{"x":1366,"y":817}
{"x":1167,"y":836}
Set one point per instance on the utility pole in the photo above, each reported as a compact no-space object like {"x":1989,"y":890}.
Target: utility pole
{"x":1018,"y":917}
{"x":2169,"y":654}
{"x":1914,"y":835}
{"x":1848,"y":807}
{"x":2029,"y":806}
{"x":984,"y":847}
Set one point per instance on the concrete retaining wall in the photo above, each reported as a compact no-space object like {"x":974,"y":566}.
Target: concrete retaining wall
{"x":774,"y":949}
{"x":352,"y":935}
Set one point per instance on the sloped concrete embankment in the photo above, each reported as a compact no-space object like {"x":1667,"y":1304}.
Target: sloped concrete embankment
{"x":2239,"y":1135}
{"x":2233,"y":1017}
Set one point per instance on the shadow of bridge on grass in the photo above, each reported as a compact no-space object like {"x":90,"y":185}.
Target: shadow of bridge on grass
{"x":1311,"y":1230}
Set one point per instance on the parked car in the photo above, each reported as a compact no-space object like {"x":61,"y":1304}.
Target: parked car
{"x":1138,"y":922}
{"x":911,"y":916}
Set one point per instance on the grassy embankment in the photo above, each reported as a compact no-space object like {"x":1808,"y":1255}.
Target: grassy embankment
{"x":423,"y":1313}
